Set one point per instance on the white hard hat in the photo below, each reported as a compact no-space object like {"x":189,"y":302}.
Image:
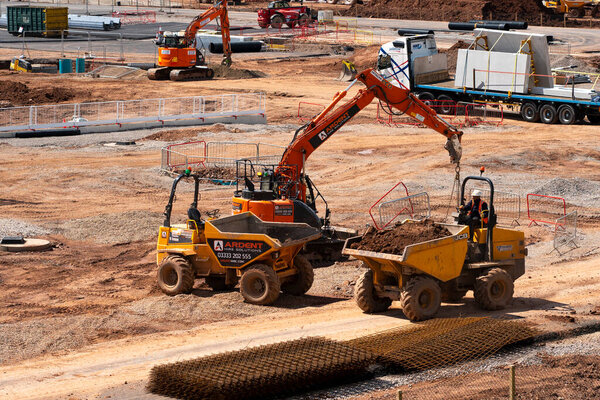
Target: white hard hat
{"x":476,"y":193}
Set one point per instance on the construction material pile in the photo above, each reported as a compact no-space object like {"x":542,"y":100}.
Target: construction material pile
{"x":291,"y":367}
{"x":394,"y":240}
{"x":262,"y":372}
{"x":21,"y":94}
{"x":443,"y":341}
{"x":460,"y":10}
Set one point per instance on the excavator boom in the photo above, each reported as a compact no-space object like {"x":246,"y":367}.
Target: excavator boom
{"x":219,"y":10}
{"x":324,"y":125}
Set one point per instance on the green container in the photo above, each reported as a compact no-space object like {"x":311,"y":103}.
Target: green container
{"x":37,"y":21}
{"x":80,"y":65}
{"x":65,"y":66}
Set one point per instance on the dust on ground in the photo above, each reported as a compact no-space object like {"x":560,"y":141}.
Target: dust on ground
{"x":394,"y":240}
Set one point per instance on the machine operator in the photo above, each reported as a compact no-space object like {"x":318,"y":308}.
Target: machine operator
{"x":475,"y":212}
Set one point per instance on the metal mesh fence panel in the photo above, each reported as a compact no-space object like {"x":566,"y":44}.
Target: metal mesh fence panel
{"x":415,"y":207}
{"x":507,"y":205}
{"x":545,"y":209}
{"x":565,"y":231}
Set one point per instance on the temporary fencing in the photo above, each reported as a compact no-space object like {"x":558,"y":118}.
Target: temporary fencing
{"x":458,"y":114}
{"x":307,"y":110}
{"x":397,"y":205}
{"x":130,"y":111}
{"x":179,"y":156}
{"x":545,"y":209}
{"x":565,"y":231}
{"x":507,"y":205}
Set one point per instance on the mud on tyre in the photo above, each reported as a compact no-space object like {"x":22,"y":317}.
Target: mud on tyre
{"x":260,"y":284}
{"x":494,"y":289}
{"x":303,"y":280}
{"x":421,"y":298}
{"x":175,"y":275}
{"x":365,"y":296}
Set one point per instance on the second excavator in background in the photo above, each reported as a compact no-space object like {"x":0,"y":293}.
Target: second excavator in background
{"x":178,"y":56}
{"x":285,"y":193}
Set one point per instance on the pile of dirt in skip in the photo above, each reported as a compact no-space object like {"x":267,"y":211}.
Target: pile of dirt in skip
{"x":393,"y":241}
{"x":19,"y":94}
{"x":456,"y":10}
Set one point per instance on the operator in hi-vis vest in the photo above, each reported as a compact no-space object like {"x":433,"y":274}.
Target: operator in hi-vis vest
{"x":475,"y":212}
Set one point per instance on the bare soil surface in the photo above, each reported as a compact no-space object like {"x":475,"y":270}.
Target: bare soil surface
{"x":394,"y":240}
{"x":84,"y":318}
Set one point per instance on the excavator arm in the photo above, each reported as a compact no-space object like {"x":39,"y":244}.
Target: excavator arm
{"x":219,"y":10}
{"x":324,"y":125}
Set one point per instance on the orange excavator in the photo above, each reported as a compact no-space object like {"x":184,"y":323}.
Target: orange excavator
{"x":285,"y":193}
{"x":178,"y":56}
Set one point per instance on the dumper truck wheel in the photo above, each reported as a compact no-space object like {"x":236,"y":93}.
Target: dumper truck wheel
{"x":303,"y":280}
{"x":365,"y":296}
{"x":494,"y":289}
{"x":175,"y":275}
{"x":421,"y":298}
{"x":259,"y":284}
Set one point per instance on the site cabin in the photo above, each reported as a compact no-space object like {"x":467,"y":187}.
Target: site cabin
{"x":511,"y":68}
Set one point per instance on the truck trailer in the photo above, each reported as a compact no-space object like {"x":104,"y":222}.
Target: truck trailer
{"x":511,"y":68}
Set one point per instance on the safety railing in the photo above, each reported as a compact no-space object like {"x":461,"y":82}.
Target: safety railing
{"x":398,"y":191}
{"x":565,"y":231}
{"x":545,"y":209}
{"x":131,"y":111}
{"x":507,"y":205}
{"x":201,"y":154}
{"x":415,"y":207}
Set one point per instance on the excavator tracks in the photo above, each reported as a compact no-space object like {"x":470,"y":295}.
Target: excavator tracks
{"x":188,"y":74}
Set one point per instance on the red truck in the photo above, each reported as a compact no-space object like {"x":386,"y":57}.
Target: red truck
{"x":280,"y":12}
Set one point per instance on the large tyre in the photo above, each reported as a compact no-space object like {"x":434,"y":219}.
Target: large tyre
{"x":446,"y":105}
{"x":494,"y":289}
{"x":530,"y":112}
{"x":595,"y":11}
{"x":567,"y":115}
{"x":576,"y":12}
{"x":427,"y":98}
{"x":277,"y":21}
{"x":175,"y":275}
{"x":303,"y":20}
{"x":217,"y":283}
{"x":421,"y":298}
{"x":303,"y":281}
{"x":548,"y":114}
{"x":260,"y":285}
{"x":365,"y":296}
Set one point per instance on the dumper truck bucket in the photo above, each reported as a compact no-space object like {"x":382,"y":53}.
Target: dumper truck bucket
{"x":348,"y":72}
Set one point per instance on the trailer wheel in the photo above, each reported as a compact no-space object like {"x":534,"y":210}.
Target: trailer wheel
{"x":578,"y":12}
{"x":494,"y":289}
{"x":427,"y":98}
{"x":548,"y":114}
{"x":217,"y":283}
{"x":594,"y":119}
{"x":421,"y":298}
{"x":277,"y":21}
{"x":567,"y":115}
{"x":259,"y":284}
{"x":175,"y":275}
{"x":530,"y":112}
{"x":365,"y":296}
{"x":303,"y":281}
{"x":447,"y":105}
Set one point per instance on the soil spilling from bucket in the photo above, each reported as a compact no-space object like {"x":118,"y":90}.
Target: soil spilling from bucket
{"x":393,"y":241}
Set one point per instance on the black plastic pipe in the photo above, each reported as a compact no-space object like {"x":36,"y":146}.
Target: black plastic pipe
{"x":410,"y":32}
{"x":48,"y":133}
{"x":236,"y":47}
{"x":510,"y":24}
{"x":469,"y":26}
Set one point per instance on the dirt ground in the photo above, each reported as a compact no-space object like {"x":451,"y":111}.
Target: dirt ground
{"x":86,"y":320}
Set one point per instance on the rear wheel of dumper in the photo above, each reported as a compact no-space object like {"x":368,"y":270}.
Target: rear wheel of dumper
{"x":494,"y":289}
{"x":421,"y":298}
{"x":365,"y":296}
{"x":175,"y":275}
{"x":260,"y":285}
{"x":303,"y":280}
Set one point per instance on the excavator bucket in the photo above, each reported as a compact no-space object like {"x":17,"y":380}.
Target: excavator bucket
{"x":348,"y":72}
{"x":454,"y":149}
